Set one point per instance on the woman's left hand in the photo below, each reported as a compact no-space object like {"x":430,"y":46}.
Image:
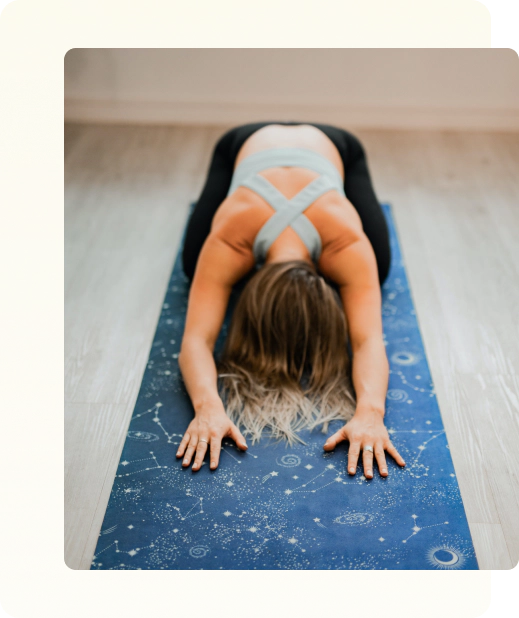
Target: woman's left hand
{"x":366,"y":428}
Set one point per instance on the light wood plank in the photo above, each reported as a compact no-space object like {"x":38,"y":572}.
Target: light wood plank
{"x":94,"y":438}
{"x":494,"y":409}
{"x":500,"y":191}
{"x":477,"y":286}
{"x":128,"y":192}
{"x":490,"y":545}
{"x":457,"y":410}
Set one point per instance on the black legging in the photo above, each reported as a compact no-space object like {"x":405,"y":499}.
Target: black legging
{"x":357,"y":186}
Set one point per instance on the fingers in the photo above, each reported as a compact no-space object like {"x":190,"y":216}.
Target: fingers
{"x":353,"y":456}
{"x":183,"y":444}
{"x":216,"y":447}
{"x":199,"y":446}
{"x":333,"y":440}
{"x":194,"y":445}
{"x":201,"y":449}
{"x":367,"y":460}
{"x":395,"y":454}
{"x":236,"y":435}
{"x":381,"y":459}
{"x":190,"y":450}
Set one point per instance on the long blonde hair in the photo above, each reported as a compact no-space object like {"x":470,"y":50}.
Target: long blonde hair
{"x":285,"y":363}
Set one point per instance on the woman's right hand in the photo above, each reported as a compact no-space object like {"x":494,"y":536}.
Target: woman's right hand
{"x":208,"y":429}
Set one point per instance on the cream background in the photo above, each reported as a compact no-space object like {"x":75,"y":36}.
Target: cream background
{"x":368,"y":88}
{"x":34,"y":581}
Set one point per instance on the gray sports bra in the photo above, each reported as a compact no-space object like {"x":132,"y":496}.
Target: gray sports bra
{"x":288,"y":212}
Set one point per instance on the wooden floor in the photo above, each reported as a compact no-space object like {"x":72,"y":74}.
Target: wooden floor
{"x":456,"y":202}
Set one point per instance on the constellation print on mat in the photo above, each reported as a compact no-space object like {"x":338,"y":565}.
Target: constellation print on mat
{"x":173,"y":438}
{"x":127,"y":463}
{"x":198,"y":503}
{"x":314,"y":488}
{"x":417,"y":529}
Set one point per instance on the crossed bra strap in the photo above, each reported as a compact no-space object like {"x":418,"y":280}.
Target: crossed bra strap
{"x":288,"y":212}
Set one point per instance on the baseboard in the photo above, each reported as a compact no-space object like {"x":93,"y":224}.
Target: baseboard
{"x":236,"y":112}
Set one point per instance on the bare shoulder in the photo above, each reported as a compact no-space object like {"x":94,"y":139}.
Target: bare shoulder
{"x":347,"y":256}
{"x":239,"y":218}
{"x":227,"y":254}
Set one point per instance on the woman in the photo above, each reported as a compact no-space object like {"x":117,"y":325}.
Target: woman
{"x":296,"y":201}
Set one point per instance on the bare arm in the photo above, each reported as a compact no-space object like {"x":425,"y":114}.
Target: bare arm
{"x":220,"y":265}
{"x":208,"y":298}
{"x":361,"y":299}
{"x":355,"y":270}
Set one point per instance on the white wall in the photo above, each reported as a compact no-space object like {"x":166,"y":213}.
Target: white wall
{"x":379,"y":88}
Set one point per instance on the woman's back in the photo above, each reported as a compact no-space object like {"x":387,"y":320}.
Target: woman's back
{"x":244,"y":213}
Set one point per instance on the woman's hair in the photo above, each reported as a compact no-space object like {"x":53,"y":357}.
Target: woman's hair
{"x":285,"y":364}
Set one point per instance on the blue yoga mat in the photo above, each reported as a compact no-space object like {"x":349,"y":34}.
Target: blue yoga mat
{"x":279,"y":507}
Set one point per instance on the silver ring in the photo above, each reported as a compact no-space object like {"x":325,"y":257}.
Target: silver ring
{"x":368,"y":448}
{"x":202,"y":440}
